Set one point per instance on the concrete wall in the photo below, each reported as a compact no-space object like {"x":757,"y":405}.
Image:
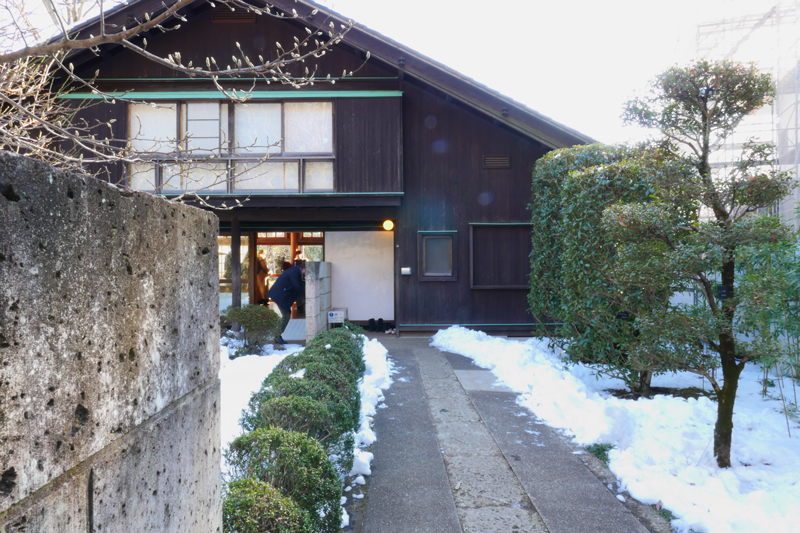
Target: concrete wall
{"x":109,"y":355}
{"x":363,"y":272}
{"x":318,"y":297}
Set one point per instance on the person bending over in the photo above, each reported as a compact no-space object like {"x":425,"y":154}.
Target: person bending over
{"x":285,"y":291}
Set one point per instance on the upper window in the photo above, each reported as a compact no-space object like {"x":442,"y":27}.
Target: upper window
{"x":437,"y":253}
{"x":275,"y":147}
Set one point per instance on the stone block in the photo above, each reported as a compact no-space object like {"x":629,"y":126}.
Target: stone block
{"x":108,"y":315}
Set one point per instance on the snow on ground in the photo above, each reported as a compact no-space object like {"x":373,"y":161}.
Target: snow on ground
{"x":241,"y":377}
{"x":663,"y":447}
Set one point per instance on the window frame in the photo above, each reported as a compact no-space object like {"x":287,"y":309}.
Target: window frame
{"x":228,"y":151}
{"x":422,"y":236}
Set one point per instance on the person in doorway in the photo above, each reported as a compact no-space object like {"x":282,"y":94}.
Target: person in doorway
{"x":262,"y":274}
{"x":285,"y":291}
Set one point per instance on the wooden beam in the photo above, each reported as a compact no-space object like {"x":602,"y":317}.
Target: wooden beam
{"x":292,"y":246}
{"x":236,"y":263}
{"x":252,"y":239}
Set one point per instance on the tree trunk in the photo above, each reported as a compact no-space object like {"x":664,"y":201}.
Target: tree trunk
{"x":644,"y":383}
{"x":723,"y":429}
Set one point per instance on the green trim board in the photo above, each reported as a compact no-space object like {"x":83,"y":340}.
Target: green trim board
{"x":500,"y":223}
{"x":218,"y":95}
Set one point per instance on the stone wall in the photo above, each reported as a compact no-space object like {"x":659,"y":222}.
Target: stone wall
{"x":109,"y":355}
{"x":318,"y":297}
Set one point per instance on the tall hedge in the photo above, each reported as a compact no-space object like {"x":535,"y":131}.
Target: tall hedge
{"x":573,"y":283}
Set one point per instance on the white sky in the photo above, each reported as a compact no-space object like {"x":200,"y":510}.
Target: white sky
{"x":576,"y":61}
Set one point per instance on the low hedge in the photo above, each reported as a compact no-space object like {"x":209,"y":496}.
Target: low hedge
{"x":252,"y":506}
{"x":299,"y":426}
{"x":295,"y":464}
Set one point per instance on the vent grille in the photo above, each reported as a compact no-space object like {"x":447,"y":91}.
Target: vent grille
{"x":225,"y":15}
{"x":496,"y":161}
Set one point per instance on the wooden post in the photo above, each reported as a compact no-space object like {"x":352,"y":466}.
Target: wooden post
{"x":252,"y":241}
{"x":292,"y":247}
{"x":236,"y":263}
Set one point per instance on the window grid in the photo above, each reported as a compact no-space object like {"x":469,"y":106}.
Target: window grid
{"x":228,"y":153}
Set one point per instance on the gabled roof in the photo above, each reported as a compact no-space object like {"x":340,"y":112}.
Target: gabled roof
{"x":452,"y":84}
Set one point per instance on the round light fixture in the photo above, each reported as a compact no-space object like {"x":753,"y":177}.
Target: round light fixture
{"x":388,"y":225}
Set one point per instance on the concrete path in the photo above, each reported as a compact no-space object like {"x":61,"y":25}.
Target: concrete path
{"x":455,"y":453}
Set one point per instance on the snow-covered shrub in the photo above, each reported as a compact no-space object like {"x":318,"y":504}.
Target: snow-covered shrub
{"x":260,"y":326}
{"x":315,"y":392}
{"x":252,"y":506}
{"x":295,"y":464}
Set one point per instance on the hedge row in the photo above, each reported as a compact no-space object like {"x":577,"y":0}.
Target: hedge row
{"x":287,"y":468}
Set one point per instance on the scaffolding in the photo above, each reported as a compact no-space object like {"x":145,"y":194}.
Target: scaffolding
{"x":766,"y":33}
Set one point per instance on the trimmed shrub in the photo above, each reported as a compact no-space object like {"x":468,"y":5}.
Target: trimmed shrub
{"x":252,"y":506}
{"x":260,"y":324}
{"x":297,"y":413}
{"x":295,"y":464}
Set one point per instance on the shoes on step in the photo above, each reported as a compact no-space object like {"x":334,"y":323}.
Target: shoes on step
{"x":280,"y":340}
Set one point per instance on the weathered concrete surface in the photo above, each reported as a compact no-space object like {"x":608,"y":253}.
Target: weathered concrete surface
{"x":318,"y":297}
{"x":488,"y":496}
{"x":108,"y":317}
{"x":507,"y":472}
{"x":408,"y":491}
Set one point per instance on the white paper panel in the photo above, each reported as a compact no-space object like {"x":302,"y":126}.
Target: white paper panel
{"x":319,"y":176}
{"x":267,"y":176}
{"x":309,"y":127}
{"x":258,"y":128}
{"x":153,"y":129}
{"x":142,"y":177}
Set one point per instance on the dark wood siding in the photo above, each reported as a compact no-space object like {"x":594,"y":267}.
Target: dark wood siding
{"x":447,"y":188}
{"x":200,"y":38}
{"x":95,"y":118}
{"x":499,"y":256}
{"x":369,"y":145}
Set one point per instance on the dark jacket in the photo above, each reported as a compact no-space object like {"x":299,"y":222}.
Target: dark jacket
{"x":287,"y":288}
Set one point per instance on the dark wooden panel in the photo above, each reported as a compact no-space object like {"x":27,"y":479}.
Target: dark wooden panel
{"x":369,"y":145}
{"x":200,"y":38}
{"x":104,"y":121}
{"x":447,"y":188}
{"x":499,"y":256}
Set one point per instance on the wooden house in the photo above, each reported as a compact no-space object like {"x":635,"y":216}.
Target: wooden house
{"x":445,"y":159}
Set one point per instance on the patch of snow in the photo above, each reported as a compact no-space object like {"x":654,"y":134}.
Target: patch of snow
{"x":239,"y":379}
{"x":663,"y":447}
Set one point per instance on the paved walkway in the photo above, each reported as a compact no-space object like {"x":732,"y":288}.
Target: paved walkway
{"x":456,"y":454}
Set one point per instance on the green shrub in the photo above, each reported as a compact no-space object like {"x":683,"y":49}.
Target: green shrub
{"x":252,"y":506}
{"x":295,"y":464}
{"x":340,"y":405}
{"x":600,"y":451}
{"x":356,"y":330}
{"x":260,"y":325}
{"x":297,"y":413}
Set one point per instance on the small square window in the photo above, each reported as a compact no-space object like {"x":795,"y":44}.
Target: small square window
{"x":437,"y":256}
